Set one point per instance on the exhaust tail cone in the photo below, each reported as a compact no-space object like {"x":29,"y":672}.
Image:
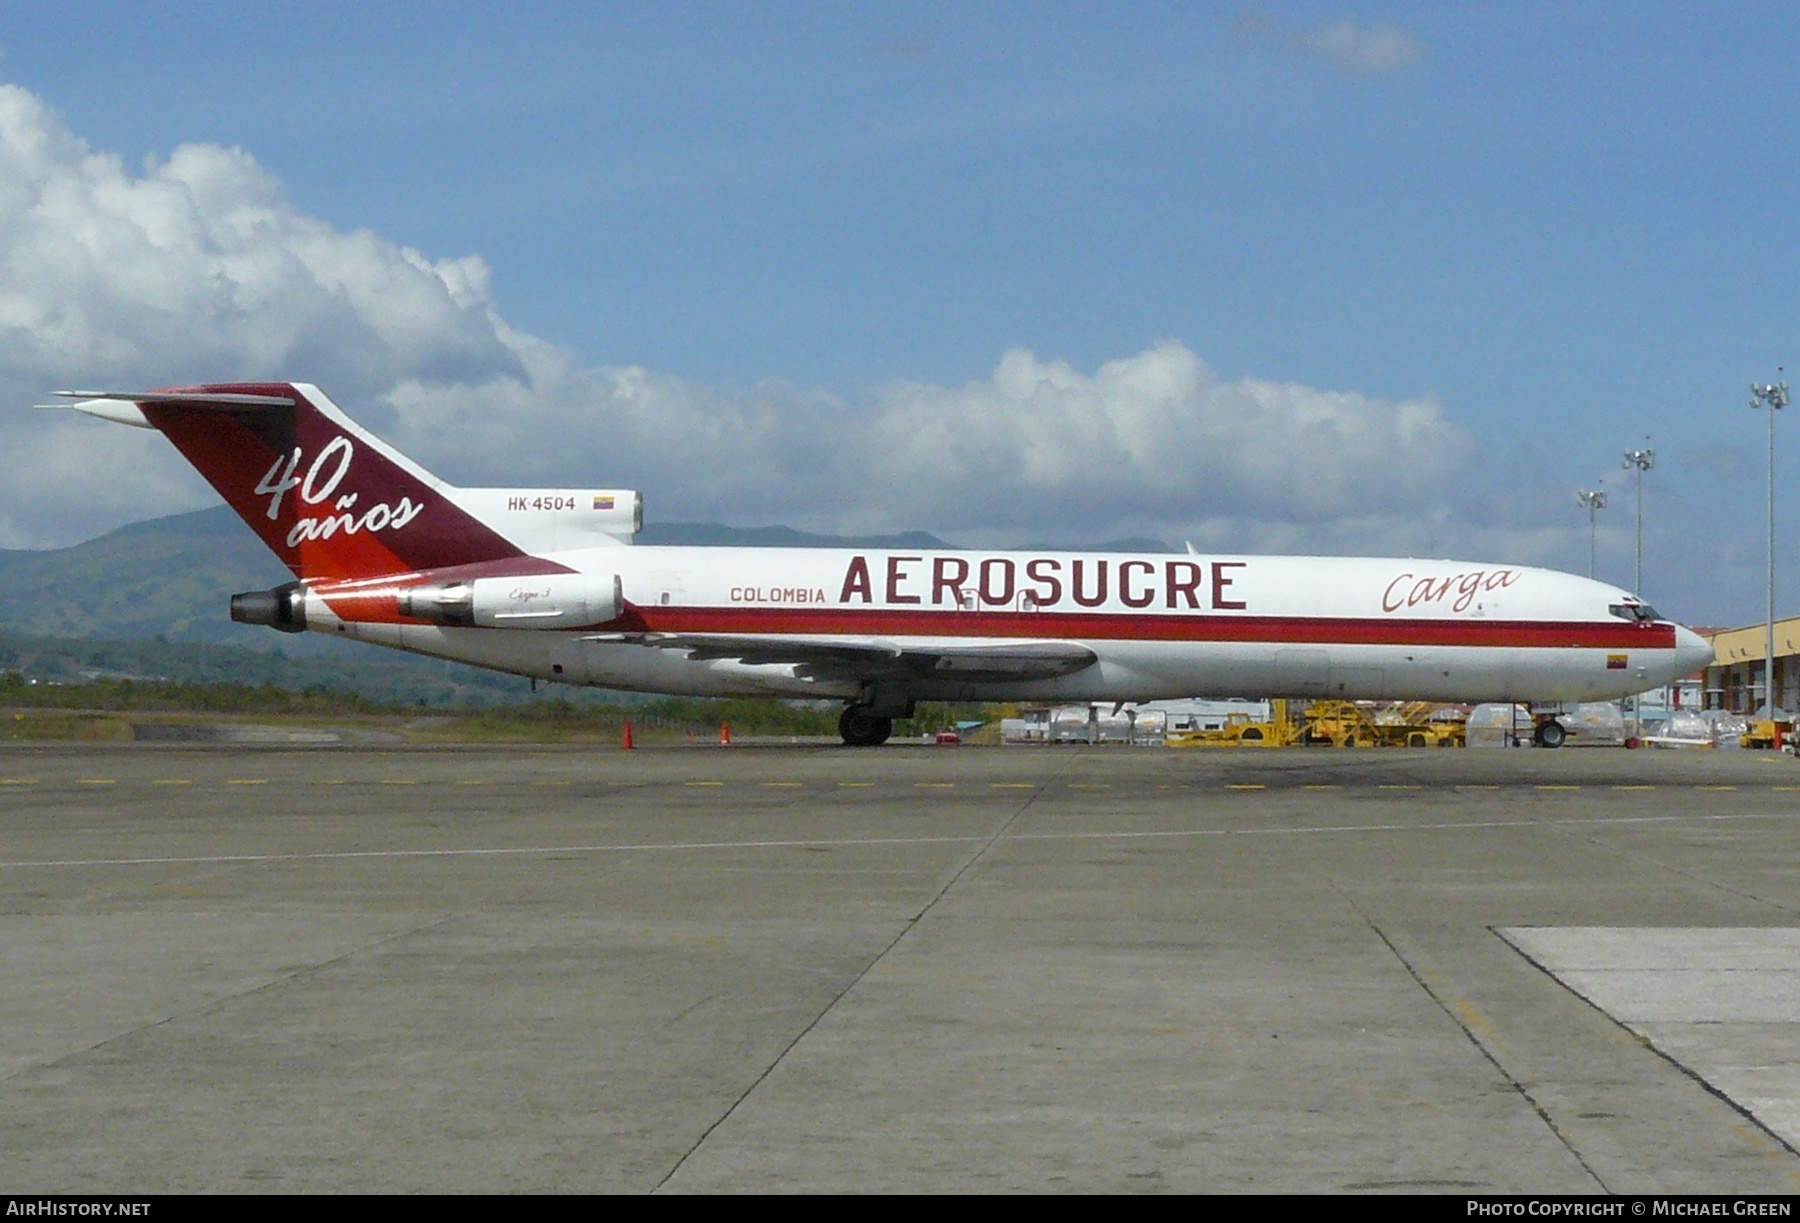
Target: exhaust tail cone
{"x":282,"y":609}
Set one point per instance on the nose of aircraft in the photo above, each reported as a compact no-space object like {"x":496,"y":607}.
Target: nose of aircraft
{"x":1692,"y":652}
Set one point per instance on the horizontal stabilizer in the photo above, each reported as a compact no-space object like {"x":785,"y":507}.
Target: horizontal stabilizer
{"x":121,"y":407}
{"x":186,"y":399}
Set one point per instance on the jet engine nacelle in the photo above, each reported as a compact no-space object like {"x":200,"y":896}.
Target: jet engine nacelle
{"x":542,"y":601}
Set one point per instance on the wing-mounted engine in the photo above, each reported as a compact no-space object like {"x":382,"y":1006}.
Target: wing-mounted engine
{"x":544,"y":601}
{"x":540,"y":520}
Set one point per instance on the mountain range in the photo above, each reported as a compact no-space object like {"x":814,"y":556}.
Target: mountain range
{"x":171,"y":579}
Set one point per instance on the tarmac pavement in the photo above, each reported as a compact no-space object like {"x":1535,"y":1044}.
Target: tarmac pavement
{"x":907,"y":968}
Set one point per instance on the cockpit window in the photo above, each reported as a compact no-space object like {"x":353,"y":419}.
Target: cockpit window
{"x":1639,"y":613}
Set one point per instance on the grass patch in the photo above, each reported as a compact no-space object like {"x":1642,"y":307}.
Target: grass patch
{"x":79,"y":727}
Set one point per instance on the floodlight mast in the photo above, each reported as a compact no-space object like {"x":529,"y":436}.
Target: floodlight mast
{"x":1774,"y":397}
{"x":1639,"y":461}
{"x":1591,"y":500}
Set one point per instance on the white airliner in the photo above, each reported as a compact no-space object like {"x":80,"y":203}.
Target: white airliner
{"x":540,"y":582}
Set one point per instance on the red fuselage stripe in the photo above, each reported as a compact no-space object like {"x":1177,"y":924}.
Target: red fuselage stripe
{"x":1114,"y":626}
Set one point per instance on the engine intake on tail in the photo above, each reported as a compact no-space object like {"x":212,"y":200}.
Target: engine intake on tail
{"x":556,"y":520}
{"x":543,"y":601}
{"x":282,"y":609}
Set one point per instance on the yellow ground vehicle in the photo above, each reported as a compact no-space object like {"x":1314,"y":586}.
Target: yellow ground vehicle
{"x":1240,"y":730}
{"x":1330,"y":723}
{"x":1763,"y":732}
{"x":1341,"y":724}
{"x":1414,"y":724}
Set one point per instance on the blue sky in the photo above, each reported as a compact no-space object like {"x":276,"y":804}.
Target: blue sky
{"x":1568,"y":226}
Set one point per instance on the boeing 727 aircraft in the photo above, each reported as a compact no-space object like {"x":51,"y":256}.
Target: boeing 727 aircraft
{"x":541,"y":583}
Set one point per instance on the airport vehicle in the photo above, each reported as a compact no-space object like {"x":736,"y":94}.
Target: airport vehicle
{"x":1767,"y":733}
{"x":1331,"y":723}
{"x":541,"y":583}
{"x":1242,"y":730}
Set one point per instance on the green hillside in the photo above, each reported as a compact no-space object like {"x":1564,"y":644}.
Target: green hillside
{"x":151,"y":601}
{"x":173,"y":578}
{"x":169,"y":577}
{"x":386,"y":677}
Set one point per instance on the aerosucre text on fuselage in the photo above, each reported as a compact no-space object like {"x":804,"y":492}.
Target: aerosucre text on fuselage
{"x":1045,"y":582}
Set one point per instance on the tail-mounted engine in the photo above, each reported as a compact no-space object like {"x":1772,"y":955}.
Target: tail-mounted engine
{"x":548,"y":601}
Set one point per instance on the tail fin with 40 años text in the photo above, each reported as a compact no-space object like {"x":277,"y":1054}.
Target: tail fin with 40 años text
{"x":336,"y":503}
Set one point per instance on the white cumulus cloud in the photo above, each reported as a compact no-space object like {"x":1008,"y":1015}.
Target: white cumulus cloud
{"x":200,"y":268}
{"x":1371,"y":49}
{"x":1154,"y":440}
{"x":1349,"y":46}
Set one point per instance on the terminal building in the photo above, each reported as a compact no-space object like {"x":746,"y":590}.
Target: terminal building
{"x":1734,"y":681}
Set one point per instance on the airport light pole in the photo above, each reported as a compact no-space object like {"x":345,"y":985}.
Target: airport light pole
{"x":1641,"y":461}
{"x":1591,"y":500}
{"x":1774,"y":397}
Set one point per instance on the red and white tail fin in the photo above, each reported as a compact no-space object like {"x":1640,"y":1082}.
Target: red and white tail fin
{"x":331,"y":500}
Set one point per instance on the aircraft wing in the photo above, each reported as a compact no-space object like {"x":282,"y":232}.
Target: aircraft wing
{"x":863,"y":659}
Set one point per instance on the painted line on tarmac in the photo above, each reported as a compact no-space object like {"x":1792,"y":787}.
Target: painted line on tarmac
{"x":506,"y":852}
{"x":856,"y":842}
{"x":995,"y":785}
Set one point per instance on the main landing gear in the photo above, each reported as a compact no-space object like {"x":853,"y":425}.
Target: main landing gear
{"x":861,"y":728}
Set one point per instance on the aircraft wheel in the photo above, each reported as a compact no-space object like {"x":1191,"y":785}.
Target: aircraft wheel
{"x":860,"y":728}
{"x":1549,"y":734}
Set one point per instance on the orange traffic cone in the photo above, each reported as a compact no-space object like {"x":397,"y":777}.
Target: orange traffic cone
{"x":625,"y":739}
{"x":724,"y":734}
